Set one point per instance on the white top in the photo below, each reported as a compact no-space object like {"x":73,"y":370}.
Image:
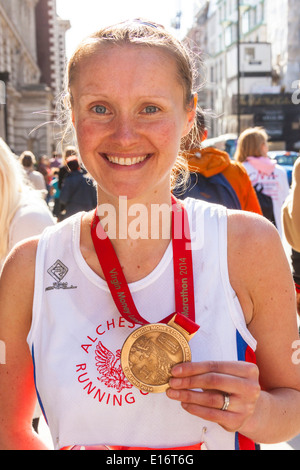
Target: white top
{"x":30,"y":219}
{"x":274,"y":185}
{"x":37,"y":180}
{"x":75,"y":321}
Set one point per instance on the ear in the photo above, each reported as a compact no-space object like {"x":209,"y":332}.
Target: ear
{"x":191,"y":115}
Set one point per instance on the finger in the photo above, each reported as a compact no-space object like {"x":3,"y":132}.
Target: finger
{"x":212,"y":381}
{"x":234,"y":368}
{"x":208,"y":399}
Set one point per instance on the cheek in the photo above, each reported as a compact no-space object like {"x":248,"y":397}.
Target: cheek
{"x":85,"y":135}
{"x":169,"y":135}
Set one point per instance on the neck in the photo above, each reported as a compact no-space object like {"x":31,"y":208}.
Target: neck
{"x":140,"y":232}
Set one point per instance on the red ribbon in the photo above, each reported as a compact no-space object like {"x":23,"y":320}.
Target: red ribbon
{"x":183,"y":271}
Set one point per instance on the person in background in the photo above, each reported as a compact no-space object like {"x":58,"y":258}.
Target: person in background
{"x":69,"y":151}
{"x":291,"y":226}
{"x":23,"y":213}
{"x":214,"y":177}
{"x":265,"y":174}
{"x":55,"y":161}
{"x":55,"y":193}
{"x":44,"y":168}
{"x":78,"y":193}
{"x":27,"y":159}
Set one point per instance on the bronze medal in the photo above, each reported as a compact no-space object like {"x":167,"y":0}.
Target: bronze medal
{"x":150,"y":352}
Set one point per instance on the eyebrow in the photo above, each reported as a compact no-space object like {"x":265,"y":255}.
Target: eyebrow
{"x":99,"y":96}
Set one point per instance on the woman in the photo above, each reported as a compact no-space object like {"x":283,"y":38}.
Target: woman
{"x":129,"y":126}
{"x":265,"y":174}
{"x":23,"y":212}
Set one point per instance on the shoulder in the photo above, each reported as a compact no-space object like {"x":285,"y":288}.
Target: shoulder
{"x":247,"y":230}
{"x":255,"y":253}
{"x":17,"y":277}
{"x":23,"y":253}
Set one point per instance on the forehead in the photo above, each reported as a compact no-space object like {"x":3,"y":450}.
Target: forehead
{"x":121,"y":65}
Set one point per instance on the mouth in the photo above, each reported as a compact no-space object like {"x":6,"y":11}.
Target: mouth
{"x":126,"y":161}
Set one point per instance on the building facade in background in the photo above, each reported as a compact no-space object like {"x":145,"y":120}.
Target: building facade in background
{"x":32,"y":60}
{"x":251,"y":53}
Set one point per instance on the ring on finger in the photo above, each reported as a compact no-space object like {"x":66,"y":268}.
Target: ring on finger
{"x":226,"y":402}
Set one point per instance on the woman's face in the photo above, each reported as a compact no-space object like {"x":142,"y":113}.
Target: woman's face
{"x":129,"y":115}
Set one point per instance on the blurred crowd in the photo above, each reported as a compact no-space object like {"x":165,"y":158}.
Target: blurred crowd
{"x":62,"y":181}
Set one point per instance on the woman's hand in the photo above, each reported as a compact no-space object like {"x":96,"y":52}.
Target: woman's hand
{"x":238,"y":380}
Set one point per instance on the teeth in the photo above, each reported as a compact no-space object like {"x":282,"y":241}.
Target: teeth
{"x":126,"y":161}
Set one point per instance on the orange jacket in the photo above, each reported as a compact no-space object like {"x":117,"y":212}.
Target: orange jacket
{"x":211,"y":161}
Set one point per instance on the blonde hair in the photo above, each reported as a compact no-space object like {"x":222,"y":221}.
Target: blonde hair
{"x":11,"y":184}
{"x":250,"y":143}
{"x":138,"y":33}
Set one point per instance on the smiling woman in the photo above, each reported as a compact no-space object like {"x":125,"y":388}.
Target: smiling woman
{"x":137,"y":131}
{"x":122,"y":115}
{"x":129,"y":312}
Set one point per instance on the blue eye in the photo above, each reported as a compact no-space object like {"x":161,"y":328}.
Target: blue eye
{"x":151,"y":109}
{"x":99,"y":109}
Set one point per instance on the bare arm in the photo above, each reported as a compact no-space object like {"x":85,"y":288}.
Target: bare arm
{"x":274,"y":325}
{"x":17,"y":390}
{"x":264,"y":399}
{"x":291,"y":212}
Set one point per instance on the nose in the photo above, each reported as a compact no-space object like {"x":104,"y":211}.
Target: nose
{"x":125,"y":131}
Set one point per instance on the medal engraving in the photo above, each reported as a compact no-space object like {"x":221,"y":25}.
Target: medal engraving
{"x":149,"y":354}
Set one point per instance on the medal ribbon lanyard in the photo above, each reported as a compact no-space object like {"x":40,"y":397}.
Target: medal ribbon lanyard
{"x":183,"y":271}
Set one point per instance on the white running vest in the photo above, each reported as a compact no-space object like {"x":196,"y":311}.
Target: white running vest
{"x":77,"y":333}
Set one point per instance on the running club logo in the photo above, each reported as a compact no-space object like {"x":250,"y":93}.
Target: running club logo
{"x":109,"y":367}
{"x":99,"y":372}
{"x":58,"y":271}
